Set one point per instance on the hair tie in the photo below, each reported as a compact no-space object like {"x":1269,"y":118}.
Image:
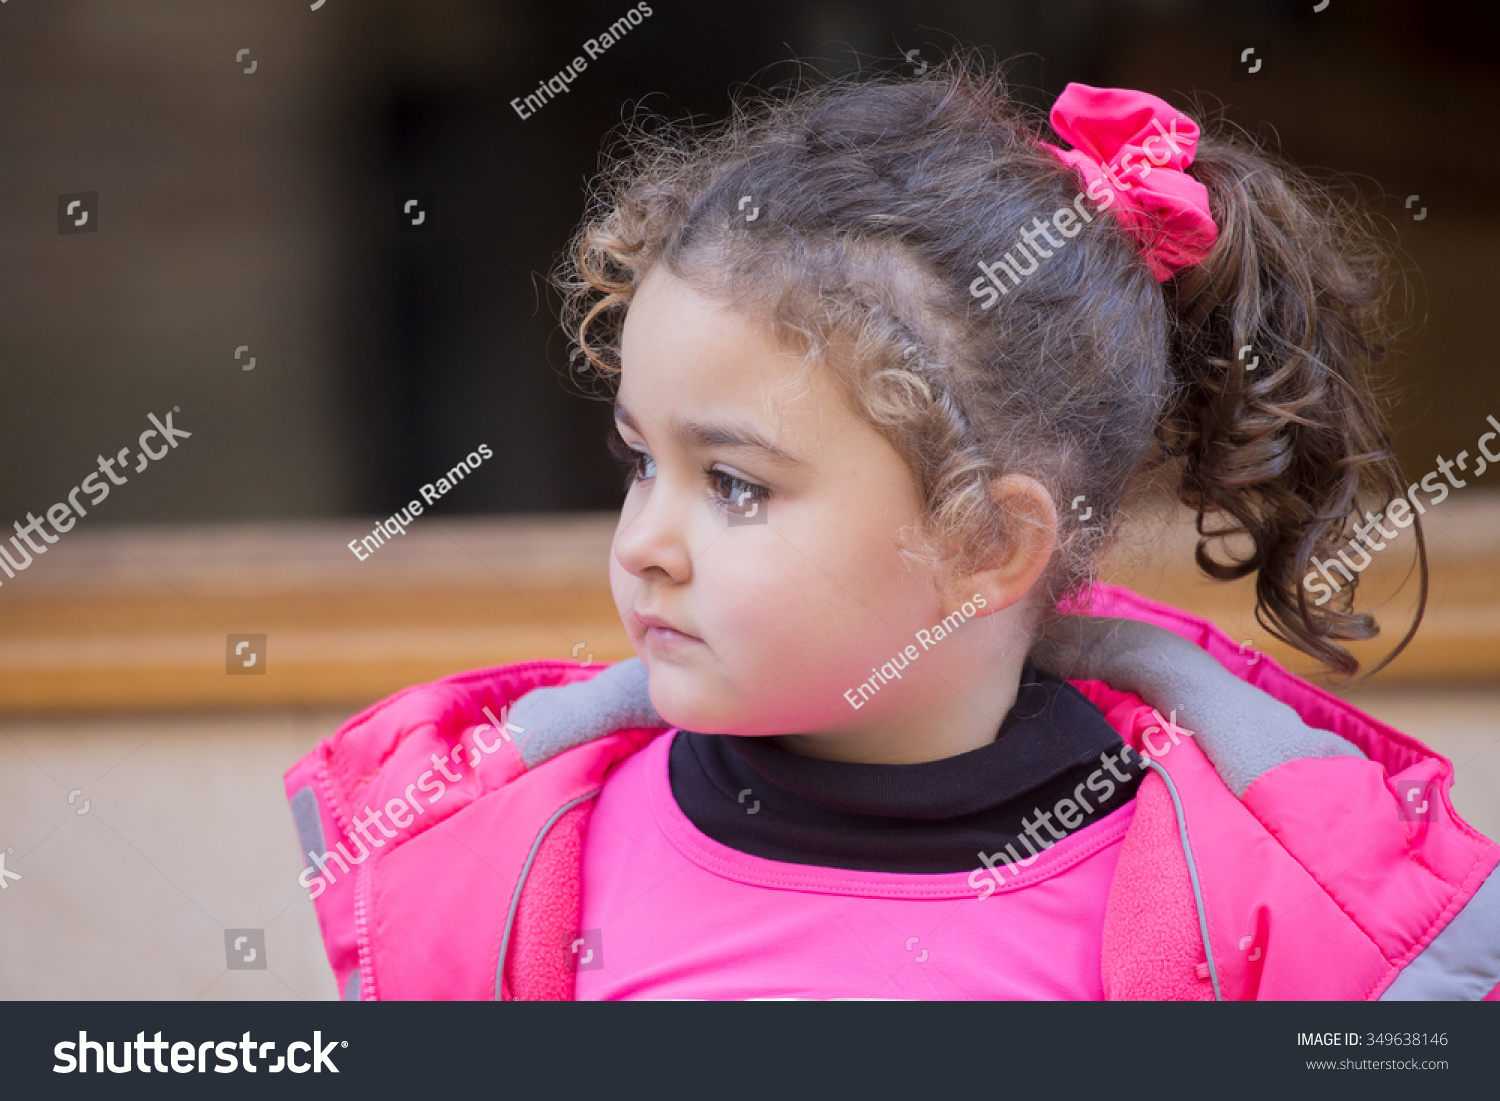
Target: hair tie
{"x":1133,"y":150}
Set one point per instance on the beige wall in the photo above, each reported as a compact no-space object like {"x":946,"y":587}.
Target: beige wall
{"x":188,"y":834}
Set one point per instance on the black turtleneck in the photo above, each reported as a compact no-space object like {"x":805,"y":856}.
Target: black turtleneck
{"x":932,"y":817}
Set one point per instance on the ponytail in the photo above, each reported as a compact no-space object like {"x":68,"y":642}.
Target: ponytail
{"x":896,"y":211}
{"x":1283,"y":443}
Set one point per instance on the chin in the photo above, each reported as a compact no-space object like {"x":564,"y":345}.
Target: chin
{"x":708,"y":705}
{"x":691,"y":702}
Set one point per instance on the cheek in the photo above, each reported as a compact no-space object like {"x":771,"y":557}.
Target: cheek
{"x":623,"y":587}
{"x":619,"y":584}
{"x":738,"y":587}
{"x":786,"y":611}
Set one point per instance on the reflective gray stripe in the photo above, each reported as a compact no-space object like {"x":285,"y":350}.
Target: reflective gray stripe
{"x":309,"y":822}
{"x":1192,"y":867}
{"x":310,"y":834}
{"x":1462,"y":964}
{"x":515,"y":899}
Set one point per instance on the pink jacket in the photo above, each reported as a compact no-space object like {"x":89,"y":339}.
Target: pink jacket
{"x":1285,"y":845}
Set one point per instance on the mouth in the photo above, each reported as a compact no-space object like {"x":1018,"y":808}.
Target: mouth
{"x":661,"y":634}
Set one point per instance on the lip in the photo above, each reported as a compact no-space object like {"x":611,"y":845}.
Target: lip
{"x":661,"y":633}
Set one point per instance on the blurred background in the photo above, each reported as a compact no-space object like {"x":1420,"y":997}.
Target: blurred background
{"x":242,"y":264}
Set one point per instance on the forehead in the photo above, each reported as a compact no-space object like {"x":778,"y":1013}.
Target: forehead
{"x":685,"y":354}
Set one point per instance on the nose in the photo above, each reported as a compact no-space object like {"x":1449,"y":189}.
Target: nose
{"x":649,"y":541}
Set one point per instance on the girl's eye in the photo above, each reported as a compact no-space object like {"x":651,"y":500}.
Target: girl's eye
{"x":733,"y":493}
{"x":636,"y":464}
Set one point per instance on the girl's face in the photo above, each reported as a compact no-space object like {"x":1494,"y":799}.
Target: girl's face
{"x":756,"y":565}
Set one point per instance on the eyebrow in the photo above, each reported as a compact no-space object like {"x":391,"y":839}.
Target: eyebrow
{"x":698,"y":435}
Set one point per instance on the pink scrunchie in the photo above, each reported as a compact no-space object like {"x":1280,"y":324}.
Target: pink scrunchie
{"x":1140,"y":146}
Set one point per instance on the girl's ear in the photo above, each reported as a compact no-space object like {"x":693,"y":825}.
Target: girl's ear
{"x":1029,"y":519}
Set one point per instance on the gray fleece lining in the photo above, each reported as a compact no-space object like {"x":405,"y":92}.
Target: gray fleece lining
{"x":1245,"y":732}
{"x":552,"y":720}
{"x":1463,"y":961}
{"x":351,"y":986}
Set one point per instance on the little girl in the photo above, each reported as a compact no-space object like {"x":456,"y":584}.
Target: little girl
{"x":888,"y":362}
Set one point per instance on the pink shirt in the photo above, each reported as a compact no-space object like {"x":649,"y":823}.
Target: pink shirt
{"x":670,"y":913}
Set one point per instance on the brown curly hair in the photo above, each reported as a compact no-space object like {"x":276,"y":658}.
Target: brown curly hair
{"x":877,"y":198}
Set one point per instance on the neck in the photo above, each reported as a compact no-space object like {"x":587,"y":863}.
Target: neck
{"x":955,"y":707}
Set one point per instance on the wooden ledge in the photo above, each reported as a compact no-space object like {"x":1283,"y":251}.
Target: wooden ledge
{"x":138,"y":618}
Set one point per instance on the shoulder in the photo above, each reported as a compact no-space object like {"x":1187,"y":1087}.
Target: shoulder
{"x":493,"y":755}
{"x":497,"y":722}
{"x":1298,"y":817}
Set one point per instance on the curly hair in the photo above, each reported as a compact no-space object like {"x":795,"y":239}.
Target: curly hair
{"x":878,"y":196}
